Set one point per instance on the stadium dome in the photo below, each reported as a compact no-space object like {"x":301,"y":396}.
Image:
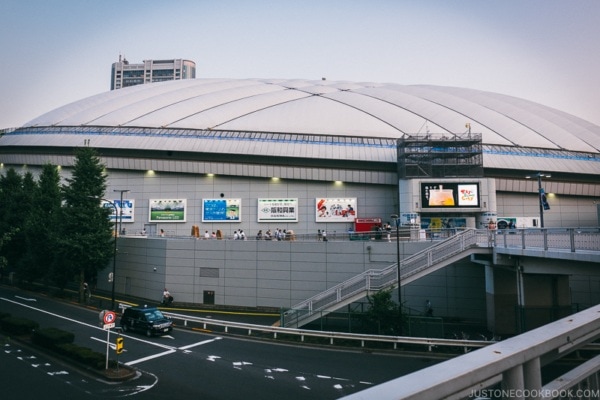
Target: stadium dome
{"x":317,"y":119}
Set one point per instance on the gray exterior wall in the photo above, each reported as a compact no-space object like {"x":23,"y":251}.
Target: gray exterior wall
{"x":274,"y":275}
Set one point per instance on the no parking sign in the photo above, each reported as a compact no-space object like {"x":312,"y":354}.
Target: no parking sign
{"x":108,"y":319}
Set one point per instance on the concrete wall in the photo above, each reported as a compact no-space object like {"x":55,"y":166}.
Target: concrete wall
{"x":276,"y":274}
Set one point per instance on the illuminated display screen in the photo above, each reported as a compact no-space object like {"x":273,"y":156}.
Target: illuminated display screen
{"x":450,"y":195}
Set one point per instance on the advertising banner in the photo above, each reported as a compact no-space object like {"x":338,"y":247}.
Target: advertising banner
{"x":277,"y":210}
{"x":221,"y":210}
{"x":450,"y":195}
{"x":166,"y":210}
{"x":126,"y":208}
{"x":335,"y":209}
{"x":435,"y":223}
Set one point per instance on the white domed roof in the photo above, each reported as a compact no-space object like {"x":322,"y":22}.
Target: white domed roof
{"x":378,"y":110}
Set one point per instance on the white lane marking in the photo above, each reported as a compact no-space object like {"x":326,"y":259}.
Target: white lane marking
{"x":25,"y":298}
{"x":213,"y":358}
{"x":241,"y":363}
{"x":189,"y":346}
{"x":58,"y":373}
{"x":150,"y":357}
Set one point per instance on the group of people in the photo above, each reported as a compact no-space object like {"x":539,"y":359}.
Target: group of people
{"x":239,"y":235}
{"x":279,"y":234}
{"x":209,"y":235}
{"x":322,"y":235}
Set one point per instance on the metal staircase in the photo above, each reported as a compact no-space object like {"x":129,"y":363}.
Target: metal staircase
{"x":433,"y":258}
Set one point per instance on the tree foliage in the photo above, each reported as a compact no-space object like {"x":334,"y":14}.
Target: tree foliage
{"x":384,"y":316}
{"x":86,"y":242}
{"x":15,"y":201}
{"x":42,"y":226}
{"x":54,"y":232}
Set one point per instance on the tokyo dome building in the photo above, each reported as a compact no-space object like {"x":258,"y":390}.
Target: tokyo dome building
{"x":258,"y":145}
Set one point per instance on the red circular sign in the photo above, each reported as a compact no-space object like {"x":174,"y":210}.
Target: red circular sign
{"x":109,"y":317}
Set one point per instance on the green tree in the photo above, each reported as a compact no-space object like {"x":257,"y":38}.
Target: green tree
{"x":86,"y":241}
{"x":384,"y":315}
{"x":42,"y":226}
{"x":15,"y":197}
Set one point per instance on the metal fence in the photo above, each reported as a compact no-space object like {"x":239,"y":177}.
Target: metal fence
{"x":558,"y":239}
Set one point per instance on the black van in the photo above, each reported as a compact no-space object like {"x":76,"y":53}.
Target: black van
{"x":149,"y":320}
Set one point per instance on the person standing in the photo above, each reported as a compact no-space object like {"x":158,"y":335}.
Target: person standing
{"x":428,"y":309}
{"x":324,"y":235}
{"x":167,"y":298}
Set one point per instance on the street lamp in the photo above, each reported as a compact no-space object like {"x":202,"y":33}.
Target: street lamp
{"x":541,"y":195}
{"x":397,"y":223}
{"x":112,"y":295}
{"x":120,"y":208}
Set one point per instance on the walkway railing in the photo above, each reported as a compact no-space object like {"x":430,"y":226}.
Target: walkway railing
{"x":374,"y":280}
{"x":437,"y":256}
{"x":558,"y":239}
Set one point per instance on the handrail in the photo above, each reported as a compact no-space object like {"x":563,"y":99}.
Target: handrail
{"x":379,"y":279}
{"x":558,"y":239}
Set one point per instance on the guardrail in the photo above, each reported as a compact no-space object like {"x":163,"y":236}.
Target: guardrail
{"x":559,"y":239}
{"x":250,"y":329}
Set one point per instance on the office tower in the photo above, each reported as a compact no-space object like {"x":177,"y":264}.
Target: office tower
{"x":125,"y":74}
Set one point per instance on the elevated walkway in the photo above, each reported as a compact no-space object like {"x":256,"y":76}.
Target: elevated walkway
{"x":564,"y":243}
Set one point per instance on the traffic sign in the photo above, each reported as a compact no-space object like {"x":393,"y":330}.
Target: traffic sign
{"x":109,"y":317}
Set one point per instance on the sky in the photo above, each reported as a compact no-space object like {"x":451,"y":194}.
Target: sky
{"x":55,"y":52}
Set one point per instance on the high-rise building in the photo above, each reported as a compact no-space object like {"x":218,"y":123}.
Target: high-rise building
{"x":124,"y":74}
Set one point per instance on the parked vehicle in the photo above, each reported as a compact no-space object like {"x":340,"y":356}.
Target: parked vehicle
{"x":149,"y":320}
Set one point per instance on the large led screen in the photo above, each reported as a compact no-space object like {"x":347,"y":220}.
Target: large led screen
{"x":450,"y":195}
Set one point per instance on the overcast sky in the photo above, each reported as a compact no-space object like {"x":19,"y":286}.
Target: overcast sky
{"x":54,"y":52}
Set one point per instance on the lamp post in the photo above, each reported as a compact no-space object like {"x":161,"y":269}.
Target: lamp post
{"x":112,"y":275}
{"x":120,"y":208}
{"x":397,"y":223}
{"x":541,"y":195}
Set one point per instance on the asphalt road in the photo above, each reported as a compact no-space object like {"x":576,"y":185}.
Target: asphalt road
{"x":185,"y":364}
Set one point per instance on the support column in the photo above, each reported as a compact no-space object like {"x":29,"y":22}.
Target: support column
{"x":513,"y":382}
{"x":520,"y":309}
{"x":533,"y":378}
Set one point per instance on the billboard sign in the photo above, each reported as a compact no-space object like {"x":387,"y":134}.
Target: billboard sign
{"x":335,"y":209}
{"x":167,"y":210}
{"x":221,"y":210}
{"x":277,"y":210}
{"x":450,"y":195}
{"x":126,"y":208}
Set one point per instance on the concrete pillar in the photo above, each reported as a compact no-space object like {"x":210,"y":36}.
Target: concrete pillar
{"x":513,"y":383}
{"x":533,"y":378}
